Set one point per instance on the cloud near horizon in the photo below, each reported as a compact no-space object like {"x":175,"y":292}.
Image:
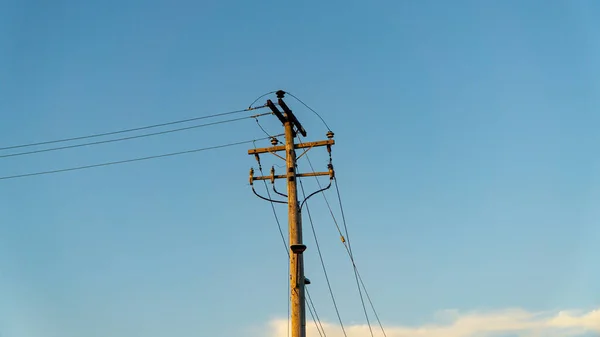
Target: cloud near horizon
{"x":509,"y":322}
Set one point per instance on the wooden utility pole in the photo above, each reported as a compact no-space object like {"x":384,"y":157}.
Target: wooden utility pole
{"x":295,"y":236}
{"x":297,"y":248}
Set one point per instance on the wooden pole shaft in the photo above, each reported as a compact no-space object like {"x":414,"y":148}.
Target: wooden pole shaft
{"x":295,"y":238}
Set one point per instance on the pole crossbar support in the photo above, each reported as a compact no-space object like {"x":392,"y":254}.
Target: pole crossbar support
{"x":297,"y":146}
{"x":299,"y":175}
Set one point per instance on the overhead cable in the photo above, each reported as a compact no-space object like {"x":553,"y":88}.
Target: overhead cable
{"x":129,"y":160}
{"x":312,"y":226}
{"x":128,"y":130}
{"x":130,"y":137}
{"x":346,"y":245}
{"x":309,"y":108}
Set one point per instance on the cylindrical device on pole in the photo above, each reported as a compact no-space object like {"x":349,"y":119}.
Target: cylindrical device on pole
{"x":295,"y":238}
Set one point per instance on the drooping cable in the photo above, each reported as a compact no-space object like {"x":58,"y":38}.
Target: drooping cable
{"x":261,"y":127}
{"x":127,"y":130}
{"x":130,"y":137}
{"x":315,"y":316}
{"x":309,"y":108}
{"x":129,"y":160}
{"x":322,"y":261}
{"x":358,"y":279}
{"x":259,"y":97}
{"x":265,"y":131}
{"x":355,"y":269}
{"x":352,"y":256}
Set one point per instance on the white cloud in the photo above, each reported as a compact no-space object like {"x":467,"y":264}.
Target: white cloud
{"x":509,"y":322}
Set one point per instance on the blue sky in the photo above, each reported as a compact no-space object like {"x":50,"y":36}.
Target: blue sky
{"x":466,"y":155}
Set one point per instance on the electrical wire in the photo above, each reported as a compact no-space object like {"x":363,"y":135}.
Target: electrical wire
{"x":309,"y":108}
{"x":353,"y":262}
{"x":130,"y":137}
{"x":128,"y":130}
{"x":370,"y":302}
{"x":346,"y":244}
{"x":261,"y":128}
{"x":311,"y":307}
{"x":322,"y":261}
{"x":259,"y":97}
{"x":285,"y":245}
{"x":352,"y":257}
{"x":129,"y":160}
{"x":347,"y":249}
{"x":265,"y":131}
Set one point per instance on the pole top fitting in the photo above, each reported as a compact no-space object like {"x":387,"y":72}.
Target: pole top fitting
{"x":329,"y":134}
{"x":280,"y":93}
{"x":298,"y":249}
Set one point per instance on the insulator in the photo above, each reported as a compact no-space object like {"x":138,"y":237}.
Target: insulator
{"x":329,"y":134}
{"x":274,"y":141}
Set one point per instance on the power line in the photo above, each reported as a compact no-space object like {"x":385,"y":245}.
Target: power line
{"x":311,"y":307}
{"x":322,"y":261}
{"x":130,"y":137}
{"x":352,"y":258}
{"x":285,"y":245}
{"x":259,"y":97}
{"x":309,"y":108}
{"x":128,"y":130}
{"x":265,"y":131}
{"x":358,"y":278}
{"x":129,"y":160}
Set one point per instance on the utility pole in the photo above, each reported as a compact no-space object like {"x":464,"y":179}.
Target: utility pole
{"x":292,"y":127}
